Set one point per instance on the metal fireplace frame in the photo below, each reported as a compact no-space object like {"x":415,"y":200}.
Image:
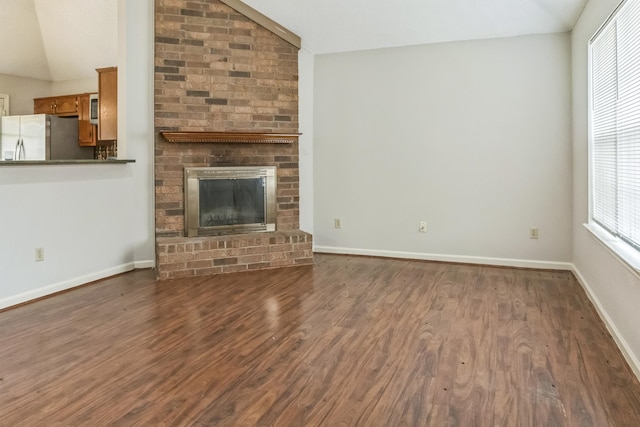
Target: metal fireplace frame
{"x":192,"y":177}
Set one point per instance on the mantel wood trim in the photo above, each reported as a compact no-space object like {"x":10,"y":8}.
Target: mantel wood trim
{"x":232,"y":137}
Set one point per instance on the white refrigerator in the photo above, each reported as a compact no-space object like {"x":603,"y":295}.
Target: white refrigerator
{"x":41,"y":137}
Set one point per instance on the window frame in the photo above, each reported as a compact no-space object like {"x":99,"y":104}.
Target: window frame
{"x":628,"y":253}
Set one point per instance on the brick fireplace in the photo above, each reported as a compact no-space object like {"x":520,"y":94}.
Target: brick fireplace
{"x":217,"y":71}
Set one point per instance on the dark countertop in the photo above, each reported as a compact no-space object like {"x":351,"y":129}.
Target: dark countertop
{"x":64,"y":162}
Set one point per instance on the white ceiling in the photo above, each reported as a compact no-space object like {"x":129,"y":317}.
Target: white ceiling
{"x":58,"y":39}
{"x":328,"y":26}
{"x":68,"y":39}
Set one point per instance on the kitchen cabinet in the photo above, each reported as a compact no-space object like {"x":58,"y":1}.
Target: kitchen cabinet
{"x":107,"y":104}
{"x":87,"y":132}
{"x":67,"y":106}
{"x":44,"y":105}
{"x":59,"y":105}
{"x":70,"y":106}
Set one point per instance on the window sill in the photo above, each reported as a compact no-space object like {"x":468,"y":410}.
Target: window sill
{"x":629,"y":256}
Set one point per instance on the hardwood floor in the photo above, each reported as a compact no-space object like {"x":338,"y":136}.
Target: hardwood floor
{"x":351,"y":341}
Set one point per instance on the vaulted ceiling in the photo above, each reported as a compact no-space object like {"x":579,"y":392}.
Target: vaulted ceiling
{"x":68,"y":39}
{"x":328,"y":26}
{"x":58,"y":40}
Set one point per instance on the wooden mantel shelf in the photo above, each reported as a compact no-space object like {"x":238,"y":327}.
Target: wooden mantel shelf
{"x":232,"y":137}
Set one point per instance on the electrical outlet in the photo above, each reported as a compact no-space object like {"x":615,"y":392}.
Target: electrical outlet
{"x":422,"y":227}
{"x":39,"y":254}
{"x":533,"y":233}
{"x":337,"y":223}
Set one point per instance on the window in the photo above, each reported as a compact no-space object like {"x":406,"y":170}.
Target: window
{"x":615,"y":125}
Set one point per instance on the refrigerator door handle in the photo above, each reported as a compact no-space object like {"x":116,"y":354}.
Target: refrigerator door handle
{"x":22,"y":153}
{"x":16,"y":153}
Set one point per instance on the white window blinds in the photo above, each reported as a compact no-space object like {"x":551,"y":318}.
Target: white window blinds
{"x":615,"y":124}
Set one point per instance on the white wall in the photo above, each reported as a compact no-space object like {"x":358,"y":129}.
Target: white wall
{"x":93,"y":221}
{"x":305,"y":93}
{"x":135,"y":118}
{"x":473,"y":137}
{"x":21,"y":91}
{"x":70,"y":87}
{"x":68,"y":211}
{"x":614,"y":289}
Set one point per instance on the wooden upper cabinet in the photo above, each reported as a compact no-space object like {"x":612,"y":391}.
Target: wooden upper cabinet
{"x":107,"y":104}
{"x":44,"y":106}
{"x":58,"y":105}
{"x":67,"y":105}
{"x":86,"y":131}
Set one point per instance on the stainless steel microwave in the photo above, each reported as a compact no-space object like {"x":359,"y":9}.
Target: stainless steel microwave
{"x":93,"y":108}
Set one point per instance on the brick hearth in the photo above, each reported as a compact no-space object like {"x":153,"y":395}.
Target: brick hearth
{"x":182,"y":257}
{"x":216,"y":70}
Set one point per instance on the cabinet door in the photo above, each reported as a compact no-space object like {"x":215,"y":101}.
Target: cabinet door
{"x":44,"y":106}
{"x":86,"y":131}
{"x":67,"y":106}
{"x":108,"y":104}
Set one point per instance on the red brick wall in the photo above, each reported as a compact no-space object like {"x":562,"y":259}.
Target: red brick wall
{"x":215,"y":70}
{"x":171,"y":159}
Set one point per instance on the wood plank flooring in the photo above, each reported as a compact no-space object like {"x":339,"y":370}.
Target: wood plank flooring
{"x":350,"y":341}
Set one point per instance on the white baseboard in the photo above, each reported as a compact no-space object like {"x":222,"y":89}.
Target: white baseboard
{"x":627,"y":353}
{"x":67,"y":284}
{"x":504,"y":262}
{"x":141,"y":265}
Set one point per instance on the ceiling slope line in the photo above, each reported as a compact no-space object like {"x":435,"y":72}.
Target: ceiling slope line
{"x":265,"y":21}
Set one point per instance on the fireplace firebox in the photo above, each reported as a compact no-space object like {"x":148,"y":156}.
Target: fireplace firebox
{"x":230,"y":200}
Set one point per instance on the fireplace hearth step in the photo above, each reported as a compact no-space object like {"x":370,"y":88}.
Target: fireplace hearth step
{"x":210,"y":255}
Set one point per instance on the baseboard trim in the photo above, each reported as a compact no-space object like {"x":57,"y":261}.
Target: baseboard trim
{"x":503,"y":262}
{"x":141,"y":265}
{"x":624,"y":347}
{"x":67,"y":284}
